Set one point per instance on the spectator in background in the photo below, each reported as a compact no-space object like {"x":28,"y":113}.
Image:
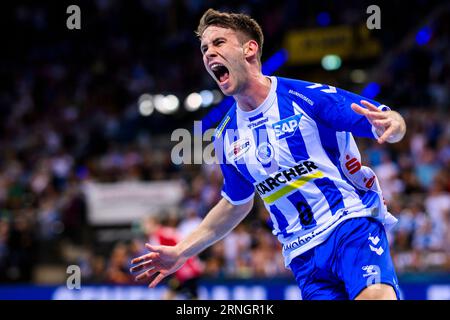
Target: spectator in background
{"x":117,"y":270}
{"x":185,"y":281}
{"x":189,"y":221}
{"x":437,"y":204}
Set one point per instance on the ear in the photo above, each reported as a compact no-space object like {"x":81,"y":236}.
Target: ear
{"x":251,"y":49}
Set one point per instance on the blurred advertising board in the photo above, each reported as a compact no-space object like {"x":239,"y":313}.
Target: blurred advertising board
{"x":126,"y":202}
{"x":309,"y":46}
{"x":234,"y":289}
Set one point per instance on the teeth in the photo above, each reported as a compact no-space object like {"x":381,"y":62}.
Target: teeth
{"x":215,"y":66}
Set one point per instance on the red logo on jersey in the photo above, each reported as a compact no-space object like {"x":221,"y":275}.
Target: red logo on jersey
{"x":369,"y":183}
{"x":352,"y":165}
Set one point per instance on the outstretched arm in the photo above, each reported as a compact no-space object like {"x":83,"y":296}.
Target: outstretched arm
{"x":165,"y":260}
{"x":389,"y":125}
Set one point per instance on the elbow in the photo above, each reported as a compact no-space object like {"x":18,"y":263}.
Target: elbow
{"x":247,"y":207}
{"x":242,"y":209}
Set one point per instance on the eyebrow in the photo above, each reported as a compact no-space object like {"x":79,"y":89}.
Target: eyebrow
{"x":204,"y":46}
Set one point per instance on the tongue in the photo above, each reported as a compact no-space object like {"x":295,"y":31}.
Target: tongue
{"x":224,"y":77}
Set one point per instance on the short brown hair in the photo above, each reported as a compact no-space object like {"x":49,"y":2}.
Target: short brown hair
{"x":236,"y":21}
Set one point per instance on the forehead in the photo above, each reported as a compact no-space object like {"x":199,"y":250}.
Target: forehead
{"x":214,"y":32}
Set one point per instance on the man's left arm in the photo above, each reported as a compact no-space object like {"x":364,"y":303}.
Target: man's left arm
{"x":347,"y":111}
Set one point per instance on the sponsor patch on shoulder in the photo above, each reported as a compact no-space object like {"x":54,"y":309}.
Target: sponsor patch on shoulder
{"x":219,"y":130}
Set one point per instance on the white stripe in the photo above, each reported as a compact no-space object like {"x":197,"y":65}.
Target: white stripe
{"x":238,"y":202}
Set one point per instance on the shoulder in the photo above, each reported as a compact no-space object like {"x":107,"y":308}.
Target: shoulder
{"x":302,"y":91}
{"x":285,"y":85}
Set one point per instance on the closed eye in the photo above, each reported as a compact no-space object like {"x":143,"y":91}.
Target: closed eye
{"x":218,"y":42}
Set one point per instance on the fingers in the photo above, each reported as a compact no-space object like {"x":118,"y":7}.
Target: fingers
{"x":359,"y":110}
{"x":147,"y":274}
{"x":142,"y":266}
{"x":153,"y":248}
{"x":372,"y":116}
{"x":145,"y":257}
{"x":386,"y":135}
{"x":376,"y":115}
{"x":157,"y":280}
{"x":370,"y":106}
{"x":382,"y":122}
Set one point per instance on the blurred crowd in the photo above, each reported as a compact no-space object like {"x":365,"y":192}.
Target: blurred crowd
{"x":69,"y":115}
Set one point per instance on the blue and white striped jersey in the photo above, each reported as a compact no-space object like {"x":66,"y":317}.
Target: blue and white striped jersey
{"x":297,"y":151}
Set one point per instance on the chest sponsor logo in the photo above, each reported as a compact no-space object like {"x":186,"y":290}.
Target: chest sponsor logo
{"x":285,"y":177}
{"x":238,"y":148}
{"x":286,"y":128}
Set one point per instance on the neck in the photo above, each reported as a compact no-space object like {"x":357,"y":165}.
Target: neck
{"x":255,"y":92}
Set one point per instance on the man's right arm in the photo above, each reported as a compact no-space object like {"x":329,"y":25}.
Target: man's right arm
{"x":165,"y":260}
{"x":221,"y":219}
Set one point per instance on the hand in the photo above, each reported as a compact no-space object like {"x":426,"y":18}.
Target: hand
{"x":164,"y":260}
{"x":389,"y":125}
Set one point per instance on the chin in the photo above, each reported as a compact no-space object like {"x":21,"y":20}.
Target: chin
{"x":227,"y":89}
{"x":226,"y":92}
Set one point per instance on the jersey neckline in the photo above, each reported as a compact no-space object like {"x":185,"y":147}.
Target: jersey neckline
{"x":264,"y":105}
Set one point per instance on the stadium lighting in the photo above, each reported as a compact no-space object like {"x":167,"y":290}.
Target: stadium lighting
{"x":207,"y":98}
{"x":323,"y":19}
{"x":331,"y":62}
{"x":172,"y":103}
{"x":358,"y":76}
{"x":193,"y":101}
{"x":158,"y":101}
{"x":166,"y":104}
{"x":146,"y":106}
{"x":217,"y":96}
{"x":423,"y":36}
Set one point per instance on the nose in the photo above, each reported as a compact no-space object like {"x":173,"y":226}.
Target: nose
{"x":210,"y":53}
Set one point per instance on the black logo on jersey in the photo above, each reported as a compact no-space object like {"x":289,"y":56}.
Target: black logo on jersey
{"x":285,"y":176}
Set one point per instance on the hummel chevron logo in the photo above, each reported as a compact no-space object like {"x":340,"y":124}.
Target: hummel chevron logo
{"x":330,"y":89}
{"x":379,"y":251}
{"x":374,"y":240}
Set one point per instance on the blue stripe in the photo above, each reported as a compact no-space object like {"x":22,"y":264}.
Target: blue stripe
{"x":295,"y":142}
{"x":259,"y":115}
{"x":242,"y":167}
{"x":369,"y":198}
{"x":305,"y":213}
{"x":332,"y":194}
{"x":329,"y":142}
{"x":281,"y":221}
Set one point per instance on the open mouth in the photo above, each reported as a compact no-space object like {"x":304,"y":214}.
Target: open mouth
{"x":220,"y":72}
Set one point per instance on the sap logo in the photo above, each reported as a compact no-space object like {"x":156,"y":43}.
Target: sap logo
{"x":286,"y":127}
{"x":238,"y":148}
